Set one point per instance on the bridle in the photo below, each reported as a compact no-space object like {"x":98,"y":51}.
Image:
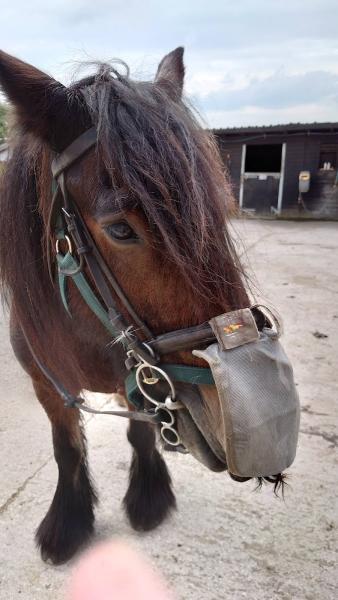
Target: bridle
{"x":143,"y":358}
{"x":86,"y":250}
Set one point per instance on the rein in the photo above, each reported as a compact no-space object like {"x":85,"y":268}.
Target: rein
{"x":143,"y":358}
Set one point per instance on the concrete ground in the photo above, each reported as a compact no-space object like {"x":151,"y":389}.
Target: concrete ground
{"x":226,"y":540}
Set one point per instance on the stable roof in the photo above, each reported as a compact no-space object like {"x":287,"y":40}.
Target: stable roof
{"x":287,"y":129}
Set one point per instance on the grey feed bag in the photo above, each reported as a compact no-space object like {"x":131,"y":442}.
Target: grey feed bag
{"x":259,"y":404}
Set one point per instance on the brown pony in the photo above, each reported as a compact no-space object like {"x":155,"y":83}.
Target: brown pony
{"x":154,"y":197}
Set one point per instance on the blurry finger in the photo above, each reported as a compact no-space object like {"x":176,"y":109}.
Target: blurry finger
{"x":113,"y":571}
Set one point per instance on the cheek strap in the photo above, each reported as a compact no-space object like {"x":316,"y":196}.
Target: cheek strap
{"x":69,"y":266}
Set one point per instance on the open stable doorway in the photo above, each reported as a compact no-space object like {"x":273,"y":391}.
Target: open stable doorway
{"x":262,"y":175}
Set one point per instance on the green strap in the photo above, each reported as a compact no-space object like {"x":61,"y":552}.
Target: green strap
{"x":183,"y":373}
{"x":68,"y":267}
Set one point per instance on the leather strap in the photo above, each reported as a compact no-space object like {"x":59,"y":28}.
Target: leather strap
{"x":183,"y":339}
{"x":182,"y":373}
{"x":69,"y":267}
{"x":102,"y":266}
{"x":86,"y":247}
{"x":147,"y":416}
{"x":75,"y":150}
{"x":71,"y":401}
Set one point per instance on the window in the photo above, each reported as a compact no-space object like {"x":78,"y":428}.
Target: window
{"x":328,"y":155}
{"x":263,"y":158}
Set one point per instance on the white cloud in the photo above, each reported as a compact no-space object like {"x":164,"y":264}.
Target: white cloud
{"x":251,"y":115}
{"x":253,"y":49}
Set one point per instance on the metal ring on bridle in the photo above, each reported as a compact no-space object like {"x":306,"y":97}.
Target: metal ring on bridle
{"x":173,"y":441}
{"x":167,"y":426}
{"x":165,"y":411}
{"x":164,"y":376}
{"x":69,"y":244}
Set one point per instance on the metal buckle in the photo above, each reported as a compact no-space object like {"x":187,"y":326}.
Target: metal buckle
{"x":69,"y":244}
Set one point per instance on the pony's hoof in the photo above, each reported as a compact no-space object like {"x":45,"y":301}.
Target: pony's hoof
{"x":149,"y":499}
{"x":67,"y":525}
{"x":59,"y":544}
{"x":59,"y":541}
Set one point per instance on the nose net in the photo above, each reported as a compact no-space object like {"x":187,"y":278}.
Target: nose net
{"x":259,"y":406}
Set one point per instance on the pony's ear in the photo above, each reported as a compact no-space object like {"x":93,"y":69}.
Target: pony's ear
{"x":44,"y":106}
{"x":170,"y":73}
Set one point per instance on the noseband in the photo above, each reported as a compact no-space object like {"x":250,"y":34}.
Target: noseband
{"x":143,"y":357}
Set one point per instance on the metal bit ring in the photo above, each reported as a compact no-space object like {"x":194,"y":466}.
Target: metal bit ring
{"x":173,"y":439}
{"x":164,"y":376}
{"x":168,"y":432}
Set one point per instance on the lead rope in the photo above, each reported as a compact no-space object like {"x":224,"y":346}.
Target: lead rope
{"x":152,"y":416}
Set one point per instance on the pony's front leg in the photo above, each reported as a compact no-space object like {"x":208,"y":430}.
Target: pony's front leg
{"x":69,"y":520}
{"x":149,"y":498}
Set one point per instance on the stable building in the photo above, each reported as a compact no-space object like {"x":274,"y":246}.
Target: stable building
{"x":284,"y":170}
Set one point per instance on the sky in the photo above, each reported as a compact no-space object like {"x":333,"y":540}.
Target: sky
{"x":248,"y":62}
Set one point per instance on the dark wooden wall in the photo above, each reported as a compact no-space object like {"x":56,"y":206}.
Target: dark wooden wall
{"x":302,"y":154}
{"x":234,"y":169}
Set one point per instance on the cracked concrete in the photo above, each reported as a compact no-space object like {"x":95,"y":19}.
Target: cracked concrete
{"x":225,"y":541}
{"x":21,"y":488}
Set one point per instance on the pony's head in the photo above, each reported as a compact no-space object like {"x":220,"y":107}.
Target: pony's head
{"x":153,"y":194}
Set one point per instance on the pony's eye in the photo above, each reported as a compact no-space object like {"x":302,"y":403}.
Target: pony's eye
{"x":121,"y":231}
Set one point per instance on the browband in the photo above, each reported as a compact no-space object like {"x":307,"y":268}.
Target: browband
{"x":75,"y":150}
